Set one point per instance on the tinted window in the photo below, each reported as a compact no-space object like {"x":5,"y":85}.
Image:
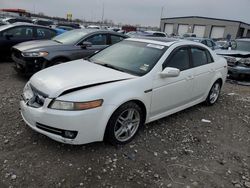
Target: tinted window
{"x":115,"y":39}
{"x":179,"y":60}
{"x":99,"y":39}
{"x":199,"y":57}
{"x":20,"y":32}
{"x":209,"y":57}
{"x":204,"y":42}
{"x":209,"y":44}
{"x":159,"y":35}
{"x":45,"y":33}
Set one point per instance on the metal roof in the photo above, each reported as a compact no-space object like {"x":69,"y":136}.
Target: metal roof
{"x":201,"y":17}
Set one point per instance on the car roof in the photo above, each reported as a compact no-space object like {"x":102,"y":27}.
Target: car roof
{"x":197,"y":38}
{"x":244,"y":39}
{"x":165,"y":41}
{"x":156,"y":40}
{"x":23,"y":24}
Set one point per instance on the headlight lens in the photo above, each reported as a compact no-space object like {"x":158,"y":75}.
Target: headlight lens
{"x":34,"y":54}
{"x":245,"y":61}
{"x":230,"y":59}
{"x":67,"y":105}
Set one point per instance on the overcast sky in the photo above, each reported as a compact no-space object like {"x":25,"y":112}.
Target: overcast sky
{"x":143,"y":12}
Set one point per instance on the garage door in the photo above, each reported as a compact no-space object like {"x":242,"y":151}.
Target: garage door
{"x":169,"y":28}
{"x":217,"y":32}
{"x":182,"y":29}
{"x":199,"y":30}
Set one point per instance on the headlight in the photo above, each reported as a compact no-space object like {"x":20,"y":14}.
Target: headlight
{"x":34,"y":54}
{"x":67,"y":105}
{"x":245,"y":61}
{"x":230,"y":59}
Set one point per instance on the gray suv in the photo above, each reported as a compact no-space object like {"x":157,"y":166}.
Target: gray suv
{"x":30,"y":57}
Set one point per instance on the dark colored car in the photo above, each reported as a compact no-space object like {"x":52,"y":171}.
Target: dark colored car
{"x":72,"y":25}
{"x":146,"y":34}
{"x":206,"y":41}
{"x":13,"y":34}
{"x":43,"y":22}
{"x":33,"y":56}
{"x":238,"y":59}
{"x":18,"y":19}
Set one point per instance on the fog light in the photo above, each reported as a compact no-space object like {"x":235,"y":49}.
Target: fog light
{"x":69,"y":134}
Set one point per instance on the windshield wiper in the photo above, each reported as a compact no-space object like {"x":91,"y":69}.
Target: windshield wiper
{"x":57,"y":41}
{"x":111,"y":66}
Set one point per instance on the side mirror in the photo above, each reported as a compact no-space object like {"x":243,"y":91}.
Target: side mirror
{"x":169,"y":72}
{"x":86,"y":45}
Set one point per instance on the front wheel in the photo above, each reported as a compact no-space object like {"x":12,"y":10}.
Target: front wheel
{"x":124,"y":124}
{"x":214,"y":93}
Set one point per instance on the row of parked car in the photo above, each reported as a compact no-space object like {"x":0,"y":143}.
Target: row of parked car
{"x":47,"y":47}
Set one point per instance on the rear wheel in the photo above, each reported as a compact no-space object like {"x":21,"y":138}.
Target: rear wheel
{"x":124,"y":124}
{"x":214,"y":93}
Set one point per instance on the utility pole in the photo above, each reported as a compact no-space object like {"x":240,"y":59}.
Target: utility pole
{"x":102,"y":12}
{"x":162,"y":9}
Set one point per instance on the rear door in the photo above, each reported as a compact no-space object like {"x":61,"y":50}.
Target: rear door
{"x":202,"y":63}
{"x":173,"y":92}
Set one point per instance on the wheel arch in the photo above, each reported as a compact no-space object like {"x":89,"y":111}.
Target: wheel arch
{"x":136,"y":101}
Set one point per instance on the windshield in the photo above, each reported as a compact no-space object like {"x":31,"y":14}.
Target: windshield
{"x":70,"y":37}
{"x":243,"y":46}
{"x":136,"y":58}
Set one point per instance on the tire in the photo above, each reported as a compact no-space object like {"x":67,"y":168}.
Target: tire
{"x":124,"y":124}
{"x":214,"y":94}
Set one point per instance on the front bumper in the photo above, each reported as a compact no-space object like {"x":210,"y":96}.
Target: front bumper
{"x":89,"y":128}
{"x":238,"y":71}
{"x":27,"y":66}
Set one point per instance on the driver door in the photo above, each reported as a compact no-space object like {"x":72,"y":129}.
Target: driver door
{"x":98,"y":41}
{"x":170,"y":93}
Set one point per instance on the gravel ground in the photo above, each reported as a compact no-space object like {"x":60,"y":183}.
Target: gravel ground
{"x":181,"y":150}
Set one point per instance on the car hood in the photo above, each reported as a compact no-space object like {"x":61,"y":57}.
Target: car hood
{"x":234,"y":53}
{"x":36,"y":45}
{"x":79,"y":74}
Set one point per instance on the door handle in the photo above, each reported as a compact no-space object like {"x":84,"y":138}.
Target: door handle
{"x":212,"y":70}
{"x":190,"y":77}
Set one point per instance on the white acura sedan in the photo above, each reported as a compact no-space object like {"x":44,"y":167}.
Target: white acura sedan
{"x":116,"y":91}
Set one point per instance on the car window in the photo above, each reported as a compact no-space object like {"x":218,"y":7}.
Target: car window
{"x":204,"y":42}
{"x":209,"y":57}
{"x":45,"y":33}
{"x":115,"y":39}
{"x":209,"y":44}
{"x":19,"y":32}
{"x":179,"y":60}
{"x":99,"y":39}
{"x":199,"y":57}
{"x":159,"y":35}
